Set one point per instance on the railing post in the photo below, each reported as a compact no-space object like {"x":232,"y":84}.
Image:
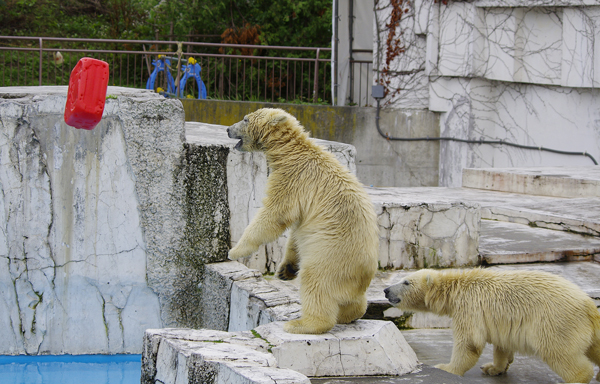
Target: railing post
{"x":40,"y":67}
{"x":316,"y":77}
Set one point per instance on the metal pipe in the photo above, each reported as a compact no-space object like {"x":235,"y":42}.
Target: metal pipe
{"x":40,"y":66}
{"x":350,"y":45}
{"x":334,"y":54}
{"x":217,"y":45}
{"x":467,"y":141}
{"x":316,"y":78}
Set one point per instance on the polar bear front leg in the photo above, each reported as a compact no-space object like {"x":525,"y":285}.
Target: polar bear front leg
{"x":289,"y":266}
{"x":264,"y":228}
{"x":465,"y":354}
{"x":502,"y":360}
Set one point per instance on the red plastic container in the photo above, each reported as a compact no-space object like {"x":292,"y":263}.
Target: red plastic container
{"x":87,"y":93}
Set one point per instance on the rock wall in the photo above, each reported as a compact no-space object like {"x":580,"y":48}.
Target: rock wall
{"x":92,"y":223}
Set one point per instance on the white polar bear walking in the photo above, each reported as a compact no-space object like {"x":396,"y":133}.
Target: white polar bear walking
{"x":531,"y":312}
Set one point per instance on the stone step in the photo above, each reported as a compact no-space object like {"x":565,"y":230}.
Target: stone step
{"x":545,"y":181}
{"x":578,"y":215}
{"x":510,"y":243}
{"x":425,"y":230}
{"x":269,"y":355}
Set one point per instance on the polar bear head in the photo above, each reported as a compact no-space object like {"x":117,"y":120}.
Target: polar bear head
{"x":412,"y":292}
{"x":262,"y":127}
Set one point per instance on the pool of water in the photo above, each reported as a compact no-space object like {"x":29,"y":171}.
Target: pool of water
{"x":71,"y":369}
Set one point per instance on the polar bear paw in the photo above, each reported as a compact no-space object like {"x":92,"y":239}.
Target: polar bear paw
{"x":240,"y":251}
{"x":287,"y":271}
{"x":491,"y":370}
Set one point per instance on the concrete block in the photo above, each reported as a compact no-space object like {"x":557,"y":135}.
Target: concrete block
{"x":182,"y":356}
{"x":417,"y":232}
{"x":88,"y":218}
{"x":362,"y":348}
{"x":236,"y":298}
{"x":510,"y":243}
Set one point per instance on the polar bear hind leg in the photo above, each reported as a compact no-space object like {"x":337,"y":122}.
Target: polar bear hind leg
{"x":593,"y":353}
{"x":319,"y":312}
{"x":573,"y":368}
{"x":352,"y":310}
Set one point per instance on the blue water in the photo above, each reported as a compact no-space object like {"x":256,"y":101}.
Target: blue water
{"x":71,"y":369}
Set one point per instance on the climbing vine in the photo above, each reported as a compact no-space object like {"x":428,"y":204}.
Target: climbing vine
{"x":394,"y":44}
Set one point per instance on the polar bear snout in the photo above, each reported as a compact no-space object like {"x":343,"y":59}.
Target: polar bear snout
{"x":236,"y":132}
{"x":233,"y":132}
{"x":391,"y":296}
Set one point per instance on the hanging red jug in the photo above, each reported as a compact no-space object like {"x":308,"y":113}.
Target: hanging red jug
{"x":87,"y":93}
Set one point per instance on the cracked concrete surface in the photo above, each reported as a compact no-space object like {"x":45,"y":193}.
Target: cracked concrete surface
{"x":267,"y":354}
{"x":418,"y":230}
{"x":74,"y":246}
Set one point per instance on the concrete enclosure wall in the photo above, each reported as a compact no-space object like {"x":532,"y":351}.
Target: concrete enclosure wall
{"x":525,"y":72}
{"x":103,"y":233}
{"x":379,"y":162}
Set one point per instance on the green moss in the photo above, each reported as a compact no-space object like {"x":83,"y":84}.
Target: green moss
{"x":402,"y":321}
{"x":258,"y":336}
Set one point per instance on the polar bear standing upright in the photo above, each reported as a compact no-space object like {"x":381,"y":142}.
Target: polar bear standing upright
{"x":333,"y":241}
{"x":531,"y":312}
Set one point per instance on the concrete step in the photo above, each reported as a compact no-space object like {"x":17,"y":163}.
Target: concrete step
{"x":510,"y":243}
{"x":545,"y":181}
{"x":578,"y":215}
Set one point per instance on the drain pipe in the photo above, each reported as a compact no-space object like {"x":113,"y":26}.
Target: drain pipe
{"x":377,"y":93}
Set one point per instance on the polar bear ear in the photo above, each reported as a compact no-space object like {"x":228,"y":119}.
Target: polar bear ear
{"x":277,"y":119}
{"x":429,"y":279}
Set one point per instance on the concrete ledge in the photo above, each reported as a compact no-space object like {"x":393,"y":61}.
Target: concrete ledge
{"x":510,"y":243}
{"x":270,"y":355}
{"x":182,"y":356}
{"x":545,"y":181}
{"x":418,"y":231}
{"x":361,"y":348}
{"x":236,"y":298}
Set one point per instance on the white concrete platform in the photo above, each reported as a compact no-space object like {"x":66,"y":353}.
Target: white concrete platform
{"x":182,"y":356}
{"x":509,"y":243}
{"x":269,"y":355}
{"x":546,"y":181}
{"x":362,"y":348}
{"x":579,"y":215}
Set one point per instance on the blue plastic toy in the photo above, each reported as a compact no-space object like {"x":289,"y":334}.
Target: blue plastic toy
{"x":159,"y":66}
{"x":192,"y":70}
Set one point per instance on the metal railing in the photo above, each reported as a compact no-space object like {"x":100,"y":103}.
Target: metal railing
{"x":361,"y":79}
{"x":229,"y":71}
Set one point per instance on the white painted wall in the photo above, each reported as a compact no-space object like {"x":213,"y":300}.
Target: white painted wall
{"x":499,"y":70}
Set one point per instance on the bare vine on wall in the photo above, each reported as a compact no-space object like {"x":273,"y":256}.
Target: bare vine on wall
{"x":400,"y":54}
{"x":394,"y":44}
